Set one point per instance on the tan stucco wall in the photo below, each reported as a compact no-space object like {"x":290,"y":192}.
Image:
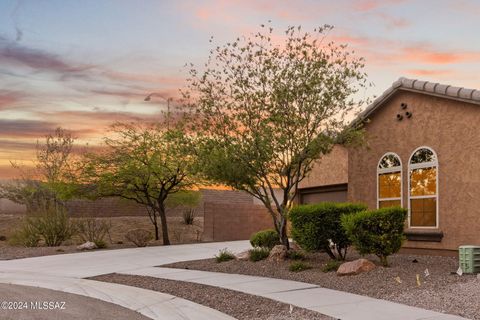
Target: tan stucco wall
{"x":451,"y":128}
{"x":330,"y":169}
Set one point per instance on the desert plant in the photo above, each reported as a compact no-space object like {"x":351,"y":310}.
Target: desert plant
{"x":318,"y":227}
{"x":295,"y":255}
{"x":26,"y":236}
{"x":298,"y":266}
{"x":258,"y":253}
{"x":378,"y":232}
{"x":93,"y":230}
{"x":52,"y":224}
{"x":139,"y":237}
{"x":189,"y":216}
{"x":101,"y":244}
{"x":265,"y":239}
{"x":224,"y":255}
{"x":331,"y":265}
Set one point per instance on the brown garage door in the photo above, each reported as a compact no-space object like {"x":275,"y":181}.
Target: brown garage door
{"x":333,"y":193}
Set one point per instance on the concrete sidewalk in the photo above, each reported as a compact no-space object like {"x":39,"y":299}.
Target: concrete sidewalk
{"x":337,"y":304}
{"x":152,"y":304}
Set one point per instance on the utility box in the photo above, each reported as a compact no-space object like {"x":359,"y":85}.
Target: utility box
{"x":469,"y":258}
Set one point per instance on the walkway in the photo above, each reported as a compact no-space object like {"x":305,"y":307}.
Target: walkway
{"x":337,"y":304}
{"x":64,"y":273}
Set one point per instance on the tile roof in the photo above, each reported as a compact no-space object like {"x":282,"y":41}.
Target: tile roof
{"x":425,"y":87}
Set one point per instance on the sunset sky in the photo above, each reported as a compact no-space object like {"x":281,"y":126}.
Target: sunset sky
{"x":84,"y":64}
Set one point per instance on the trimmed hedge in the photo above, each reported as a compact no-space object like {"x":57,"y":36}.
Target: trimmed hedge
{"x":265,"y":239}
{"x":378,"y":232}
{"x":315,"y":225}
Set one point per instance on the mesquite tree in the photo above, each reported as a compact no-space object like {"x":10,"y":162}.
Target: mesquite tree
{"x":146,"y":164}
{"x":266,"y":110}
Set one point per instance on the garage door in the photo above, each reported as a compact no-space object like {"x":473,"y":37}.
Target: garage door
{"x":333,"y":193}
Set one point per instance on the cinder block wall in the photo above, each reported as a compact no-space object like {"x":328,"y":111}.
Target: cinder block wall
{"x":225,"y":222}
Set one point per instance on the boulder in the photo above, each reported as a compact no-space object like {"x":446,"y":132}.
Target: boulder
{"x":87,"y":246}
{"x":355,"y":267}
{"x":244,"y":255}
{"x":278,"y":253}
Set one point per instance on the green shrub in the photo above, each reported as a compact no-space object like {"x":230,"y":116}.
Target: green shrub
{"x":139,"y":237}
{"x":295,"y":255}
{"x":224,"y":255}
{"x":53,"y":225}
{"x":259,"y":253}
{"x":378,"y":232}
{"x":331,"y":265}
{"x":316,"y":226}
{"x":27,"y":236}
{"x":298,"y":266}
{"x":101,"y":244}
{"x":93,"y":230}
{"x":265,"y":239}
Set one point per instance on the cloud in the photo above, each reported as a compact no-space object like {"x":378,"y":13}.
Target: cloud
{"x":9,"y":98}
{"x":25,"y":128}
{"x":12,"y":53}
{"x":425,"y":72}
{"x":426,"y":53}
{"x":369,"y":5}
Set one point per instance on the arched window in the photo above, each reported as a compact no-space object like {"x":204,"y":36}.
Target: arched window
{"x":423,"y":188}
{"x":389,"y":182}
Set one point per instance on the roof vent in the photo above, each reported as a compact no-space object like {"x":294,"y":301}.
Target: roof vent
{"x":469,"y":258}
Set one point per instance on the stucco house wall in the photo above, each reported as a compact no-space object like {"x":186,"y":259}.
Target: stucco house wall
{"x":330,"y":169}
{"x":448,"y":127}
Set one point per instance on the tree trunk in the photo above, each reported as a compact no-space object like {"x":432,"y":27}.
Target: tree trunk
{"x":156,"y":230}
{"x":163,"y":219}
{"x":283,"y":232}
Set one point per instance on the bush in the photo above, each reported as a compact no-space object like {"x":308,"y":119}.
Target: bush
{"x":295,"y":255}
{"x":3,"y":238}
{"x":224,"y":255}
{"x":259,"y":253}
{"x":139,"y":237}
{"x":101,"y":244}
{"x":94,"y":230}
{"x":331,"y":265}
{"x":27,"y":236}
{"x":265,"y":239}
{"x":298,"y":266}
{"x":378,"y":232}
{"x":53,"y":225}
{"x":189,"y":216}
{"x":316,"y":226}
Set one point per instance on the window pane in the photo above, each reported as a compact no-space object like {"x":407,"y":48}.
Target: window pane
{"x":389,"y":185}
{"x":423,"y":182}
{"x":389,"y":203}
{"x":423,"y":212}
{"x":422,"y":155}
{"x":389,"y":161}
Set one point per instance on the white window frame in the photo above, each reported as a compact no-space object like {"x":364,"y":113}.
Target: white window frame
{"x":422,"y":165}
{"x":390,"y":170}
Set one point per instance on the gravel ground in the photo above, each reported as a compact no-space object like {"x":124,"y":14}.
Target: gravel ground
{"x":236,"y":304}
{"x":440,"y":291}
{"x":76,"y":307}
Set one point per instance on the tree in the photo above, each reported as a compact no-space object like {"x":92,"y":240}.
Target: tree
{"x":267,"y":111}
{"x":146,"y":164}
{"x":50,"y":182}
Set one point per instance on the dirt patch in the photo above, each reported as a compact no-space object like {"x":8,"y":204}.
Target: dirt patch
{"x":440,"y":291}
{"x":236,"y":304}
{"x":178,"y":232}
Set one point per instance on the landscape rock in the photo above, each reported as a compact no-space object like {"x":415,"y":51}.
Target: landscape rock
{"x":278,"y":253}
{"x":355,"y":267}
{"x":87,"y":246}
{"x":244,"y":255}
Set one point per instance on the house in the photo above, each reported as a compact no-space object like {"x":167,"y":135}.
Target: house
{"x":422,"y":153}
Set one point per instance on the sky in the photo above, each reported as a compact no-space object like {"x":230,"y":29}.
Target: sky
{"x":84,"y":64}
